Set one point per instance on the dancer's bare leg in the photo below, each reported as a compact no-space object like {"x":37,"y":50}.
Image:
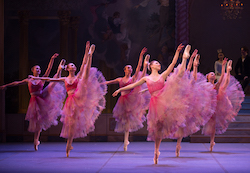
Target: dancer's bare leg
{"x":69,"y":141}
{"x":157,"y":152}
{"x":178,"y":146}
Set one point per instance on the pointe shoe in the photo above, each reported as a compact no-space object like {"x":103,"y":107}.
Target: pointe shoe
{"x":62,"y":63}
{"x":68,"y":150}
{"x":186,"y":53}
{"x":177,"y":151}
{"x":36,"y":145}
{"x":156,"y":157}
{"x":125,"y":147}
{"x":91,"y":49}
{"x":211,"y":146}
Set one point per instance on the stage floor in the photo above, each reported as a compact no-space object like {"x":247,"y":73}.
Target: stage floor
{"x":110,"y":157}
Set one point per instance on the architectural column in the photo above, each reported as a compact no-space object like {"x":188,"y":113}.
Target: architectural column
{"x":182,"y":21}
{"x":23,"y":60}
{"x":74,"y":25}
{"x":64,"y":17}
{"x":2,"y":92}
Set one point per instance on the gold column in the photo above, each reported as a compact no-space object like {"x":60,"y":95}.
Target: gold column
{"x":23,"y":60}
{"x":64,"y":17}
{"x":74,"y":25}
{"x":2,"y":92}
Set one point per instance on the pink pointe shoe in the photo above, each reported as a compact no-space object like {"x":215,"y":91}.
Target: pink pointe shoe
{"x":68,"y":149}
{"x":211,"y":146}
{"x":177,"y":151}
{"x":186,"y":53}
{"x":156,"y":157}
{"x":125,"y":147}
{"x":36,"y":145}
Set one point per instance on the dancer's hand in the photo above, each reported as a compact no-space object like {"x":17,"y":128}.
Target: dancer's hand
{"x":194,"y":54}
{"x":229,"y":66}
{"x":196,"y":60}
{"x":116,"y":93}
{"x":143,"y":51}
{"x":87,"y":47}
{"x":224,"y":62}
{"x":3,"y":87}
{"x":146,"y":60}
{"x":180,"y":47}
{"x":55,"y":56}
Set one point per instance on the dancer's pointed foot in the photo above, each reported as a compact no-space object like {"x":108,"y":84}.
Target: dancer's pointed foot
{"x":36,"y":145}
{"x":91,"y":49}
{"x":156,"y":157}
{"x":211,"y":146}
{"x":177,"y":151}
{"x":186,"y":53}
{"x":68,"y":150}
{"x":125,"y":147}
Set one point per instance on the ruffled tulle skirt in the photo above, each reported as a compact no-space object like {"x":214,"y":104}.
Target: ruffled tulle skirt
{"x":83,"y":106}
{"x":202,"y":100}
{"x":44,"y":108}
{"x":129,"y":111}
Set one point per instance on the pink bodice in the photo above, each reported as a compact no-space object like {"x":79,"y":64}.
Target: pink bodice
{"x":123,"y":84}
{"x":71,"y":87}
{"x":35,"y":89}
{"x":154,"y":86}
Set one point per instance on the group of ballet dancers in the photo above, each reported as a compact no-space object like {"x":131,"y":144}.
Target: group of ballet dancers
{"x":176,"y":103}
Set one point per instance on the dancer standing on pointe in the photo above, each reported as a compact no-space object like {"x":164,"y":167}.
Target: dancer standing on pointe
{"x":129,"y":111}
{"x":85,"y":99}
{"x":45,"y":104}
{"x":229,"y":98}
{"x":163,"y":118}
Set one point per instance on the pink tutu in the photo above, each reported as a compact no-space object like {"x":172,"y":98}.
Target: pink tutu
{"x":83,"y":105}
{"x":130,"y":109}
{"x":228,"y":106}
{"x":167,"y":108}
{"x":45,"y":105}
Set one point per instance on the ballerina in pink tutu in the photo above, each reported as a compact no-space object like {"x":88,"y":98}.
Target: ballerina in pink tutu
{"x":45,"y":104}
{"x":85,"y":99}
{"x":130,"y":109}
{"x":166,"y":113}
{"x":229,"y":98}
{"x":201,"y":100}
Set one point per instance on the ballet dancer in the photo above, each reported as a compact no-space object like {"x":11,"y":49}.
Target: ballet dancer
{"x":45,"y":104}
{"x":129,"y":111}
{"x":85,"y":99}
{"x":166,"y":115}
{"x":229,"y":98}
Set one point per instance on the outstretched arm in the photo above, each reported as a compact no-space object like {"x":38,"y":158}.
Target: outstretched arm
{"x":47,"y":79}
{"x":171,"y":66}
{"x":191,"y":59}
{"x":131,"y":86}
{"x":16,"y":83}
{"x":227,"y":80}
{"x":222,"y":73}
{"x":115,"y":81}
{"x":138,"y":68}
{"x":195,"y":66}
{"x":85,"y":59}
{"x":51,"y":62}
{"x":184,"y":61}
